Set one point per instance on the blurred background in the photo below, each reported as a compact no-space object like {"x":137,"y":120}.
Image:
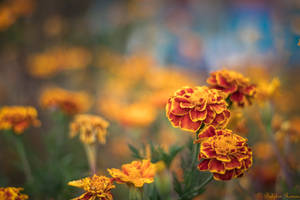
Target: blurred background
{"x":129,"y":56}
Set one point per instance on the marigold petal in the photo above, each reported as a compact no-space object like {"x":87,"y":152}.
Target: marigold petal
{"x":197,"y":115}
{"x":187,"y":124}
{"x":203,"y":165}
{"x":228,"y":175}
{"x":216,"y":166}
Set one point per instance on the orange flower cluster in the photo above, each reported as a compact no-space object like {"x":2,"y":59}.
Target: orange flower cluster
{"x":11,"y":10}
{"x":137,"y":173}
{"x":96,"y":187}
{"x":58,"y":59}
{"x":18,"y":118}
{"x":12,"y":193}
{"x":234,"y":85}
{"x":90,"y":127}
{"x":68,"y":102}
{"x":137,"y":114}
{"x":190,"y":108}
{"x":223,"y":153}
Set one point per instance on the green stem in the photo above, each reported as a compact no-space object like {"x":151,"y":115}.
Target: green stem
{"x":22,"y":154}
{"x":135,"y":193}
{"x":201,"y":186}
{"x":91,"y":153}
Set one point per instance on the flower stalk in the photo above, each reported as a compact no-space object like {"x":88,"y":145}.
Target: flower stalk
{"x":91,"y":153}
{"x":135,"y":193}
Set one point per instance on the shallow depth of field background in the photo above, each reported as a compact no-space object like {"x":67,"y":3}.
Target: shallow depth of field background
{"x":129,"y":56}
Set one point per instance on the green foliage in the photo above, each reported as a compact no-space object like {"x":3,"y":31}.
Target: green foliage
{"x":157,"y":153}
{"x":194,"y":181}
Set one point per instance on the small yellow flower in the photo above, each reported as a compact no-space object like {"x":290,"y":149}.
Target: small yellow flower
{"x":18,"y":118}
{"x":68,"y":102}
{"x":96,"y":187}
{"x":90,"y":128}
{"x":12,"y":193}
{"x":136,"y":173}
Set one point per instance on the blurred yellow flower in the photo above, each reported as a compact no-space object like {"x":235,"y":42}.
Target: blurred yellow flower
{"x":12,"y":193}
{"x":267,"y":90}
{"x":18,"y":118}
{"x":57,"y":59}
{"x":68,"y":102}
{"x":96,"y":187}
{"x":137,"y":173}
{"x":90,"y":127}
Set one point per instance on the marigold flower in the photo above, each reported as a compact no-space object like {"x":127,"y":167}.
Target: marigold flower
{"x":189,"y":108}
{"x":68,"y":102}
{"x":18,"y":118}
{"x":223,"y":153}
{"x":90,"y":128}
{"x":234,"y":85}
{"x":96,"y":187}
{"x":12,"y":193}
{"x":136,"y":173}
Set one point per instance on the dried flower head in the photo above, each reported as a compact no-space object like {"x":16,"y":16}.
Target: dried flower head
{"x":90,"y":127}
{"x":18,"y":118}
{"x":68,"y":102}
{"x":234,"y":85}
{"x":12,"y":193}
{"x":189,"y":108}
{"x":137,"y":173}
{"x":96,"y":187}
{"x":224,"y":153}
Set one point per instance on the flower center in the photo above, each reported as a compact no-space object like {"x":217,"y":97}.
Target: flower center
{"x":224,"y":144}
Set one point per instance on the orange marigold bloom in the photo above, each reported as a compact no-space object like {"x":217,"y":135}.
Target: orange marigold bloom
{"x":136,"y":173}
{"x":96,"y":187}
{"x":190,"y":107}
{"x":18,"y":118}
{"x":224,"y":153}
{"x":12,"y":193}
{"x":68,"y":102}
{"x":90,"y":127}
{"x":234,"y":85}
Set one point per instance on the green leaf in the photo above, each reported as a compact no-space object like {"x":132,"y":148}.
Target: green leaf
{"x":135,"y":152}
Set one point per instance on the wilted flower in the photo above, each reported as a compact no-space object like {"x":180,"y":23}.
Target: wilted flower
{"x":223,"y":153}
{"x":96,"y":187}
{"x":18,"y":118}
{"x":136,"y":173}
{"x":12,"y":193}
{"x":189,"y":108}
{"x":234,"y":85}
{"x":68,"y":102}
{"x":90,"y":128}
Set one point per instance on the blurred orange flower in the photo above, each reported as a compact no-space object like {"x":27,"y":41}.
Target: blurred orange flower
{"x":11,"y":10}
{"x":18,"y":118}
{"x":12,"y":193}
{"x":267,"y":90}
{"x":263,"y":150}
{"x":234,"y":85}
{"x":68,"y":102}
{"x":137,"y":114}
{"x":137,"y":173}
{"x":189,"y":108}
{"x":90,"y":128}
{"x":223,"y":153}
{"x":57,"y":59}
{"x":96,"y":187}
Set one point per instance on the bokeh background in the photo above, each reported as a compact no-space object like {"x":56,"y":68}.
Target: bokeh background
{"x":129,"y":56}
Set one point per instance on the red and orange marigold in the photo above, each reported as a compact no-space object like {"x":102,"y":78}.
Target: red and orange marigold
{"x":223,"y":153}
{"x":237,"y":87}
{"x":189,"y":108}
